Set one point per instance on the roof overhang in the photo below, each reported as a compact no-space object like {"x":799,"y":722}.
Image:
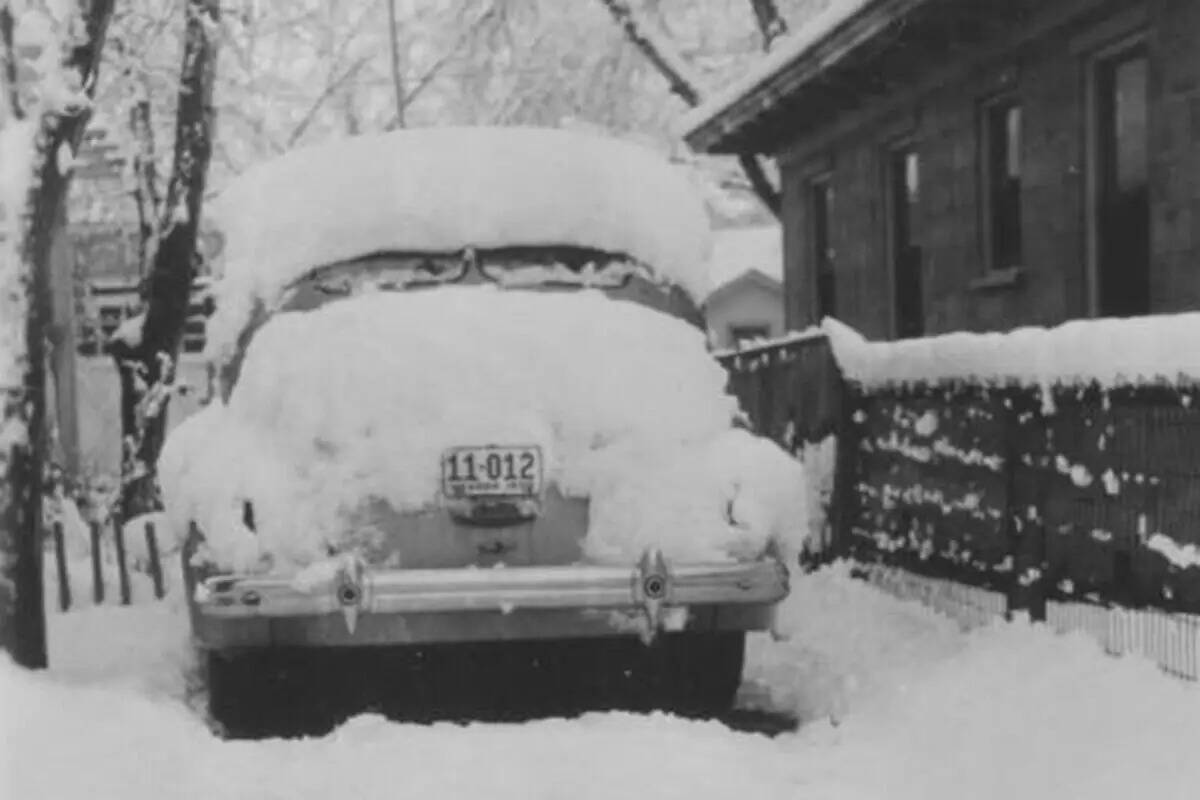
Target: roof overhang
{"x":856,"y":50}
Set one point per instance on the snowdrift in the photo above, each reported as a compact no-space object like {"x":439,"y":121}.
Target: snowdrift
{"x":359,"y":399}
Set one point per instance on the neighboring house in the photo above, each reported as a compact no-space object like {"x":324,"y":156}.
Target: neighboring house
{"x":957,"y":164}
{"x":747,"y":299}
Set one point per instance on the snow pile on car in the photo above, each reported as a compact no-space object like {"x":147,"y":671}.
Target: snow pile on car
{"x":360,"y":398}
{"x":1109,"y":352}
{"x":441,"y":190}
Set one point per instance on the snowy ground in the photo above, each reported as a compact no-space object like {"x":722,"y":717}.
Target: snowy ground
{"x":895,"y":702}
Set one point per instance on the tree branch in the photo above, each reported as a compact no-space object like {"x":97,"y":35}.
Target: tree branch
{"x":687,"y":87}
{"x":397,"y":78}
{"x":771,"y":24}
{"x":145,"y":189}
{"x":656,"y":50}
{"x":435,"y":69}
{"x":761,"y":184}
{"x":8,"y":63}
{"x":331,"y":87}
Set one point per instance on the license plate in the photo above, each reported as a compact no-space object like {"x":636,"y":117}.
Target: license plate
{"x":492,"y":471}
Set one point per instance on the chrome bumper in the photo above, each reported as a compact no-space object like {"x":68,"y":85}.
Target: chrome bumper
{"x":653,"y":593}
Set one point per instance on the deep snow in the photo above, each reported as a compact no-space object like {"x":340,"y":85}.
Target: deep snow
{"x":896,"y":701}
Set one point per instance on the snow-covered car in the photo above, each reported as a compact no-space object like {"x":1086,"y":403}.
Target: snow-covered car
{"x":463,"y":395}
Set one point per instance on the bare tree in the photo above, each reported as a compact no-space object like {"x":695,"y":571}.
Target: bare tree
{"x":58,"y":123}
{"x":397,"y":77}
{"x":686,"y":86}
{"x":146,"y":355}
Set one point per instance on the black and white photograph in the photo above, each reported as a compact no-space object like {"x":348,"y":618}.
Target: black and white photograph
{"x":564,"y":399}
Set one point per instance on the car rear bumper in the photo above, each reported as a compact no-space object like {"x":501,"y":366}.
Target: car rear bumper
{"x":359,"y":606}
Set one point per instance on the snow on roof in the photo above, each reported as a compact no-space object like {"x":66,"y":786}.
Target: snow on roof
{"x":360,"y":398}
{"x":1111,"y":352}
{"x":787,"y":50}
{"x":739,"y":250}
{"x":444,"y":189}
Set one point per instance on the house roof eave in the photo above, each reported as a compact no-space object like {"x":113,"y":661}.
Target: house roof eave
{"x":726,"y":123}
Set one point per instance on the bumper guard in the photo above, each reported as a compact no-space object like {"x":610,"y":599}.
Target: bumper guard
{"x":651,"y":587}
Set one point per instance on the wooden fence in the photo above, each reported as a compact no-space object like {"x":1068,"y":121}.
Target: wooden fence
{"x":1070,"y":504}
{"x":107,"y":551}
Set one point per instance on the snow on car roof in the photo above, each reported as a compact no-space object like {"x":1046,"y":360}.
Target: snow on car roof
{"x":444,"y":189}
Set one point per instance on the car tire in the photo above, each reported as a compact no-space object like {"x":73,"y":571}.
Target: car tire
{"x":700,"y":673}
{"x":236,"y":698}
{"x":253,"y":694}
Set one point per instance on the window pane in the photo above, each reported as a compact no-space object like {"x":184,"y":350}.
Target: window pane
{"x":1002,"y":136}
{"x":1129,"y":108}
{"x":821,"y":206}
{"x":1012,"y":143}
{"x":912,"y":177}
{"x":747,"y":333}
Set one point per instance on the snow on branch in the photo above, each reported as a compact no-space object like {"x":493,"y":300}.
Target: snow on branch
{"x":655,"y":47}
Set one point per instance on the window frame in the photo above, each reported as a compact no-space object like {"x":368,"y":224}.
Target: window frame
{"x":993,"y":259}
{"x":1095,"y":59}
{"x":735,"y":340}
{"x":822,"y":265}
{"x":903,"y":145}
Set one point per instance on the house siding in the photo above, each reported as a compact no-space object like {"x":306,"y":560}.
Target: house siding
{"x":1048,"y":74}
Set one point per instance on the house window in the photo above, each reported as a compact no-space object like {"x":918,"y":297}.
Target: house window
{"x":111,"y":308}
{"x":743,"y":334}
{"x":1120,"y":173}
{"x":193,"y":328}
{"x":904,"y":190}
{"x":820,"y":208}
{"x":1001,"y":145}
{"x":95,"y":331}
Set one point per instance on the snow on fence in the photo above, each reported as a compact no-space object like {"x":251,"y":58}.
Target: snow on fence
{"x":104,"y":564}
{"x":1074,"y":500}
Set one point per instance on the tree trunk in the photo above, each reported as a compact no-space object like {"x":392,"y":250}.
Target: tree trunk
{"x":145,"y":172}
{"x":22,"y":618}
{"x":687,"y":87}
{"x":147,"y":366}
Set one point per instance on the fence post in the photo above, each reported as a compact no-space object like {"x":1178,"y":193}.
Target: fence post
{"x":156,"y":573}
{"x":60,"y":558}
{"x":97,"y":571}
{"x":122,"y":567}
{"x":842,"y":500}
